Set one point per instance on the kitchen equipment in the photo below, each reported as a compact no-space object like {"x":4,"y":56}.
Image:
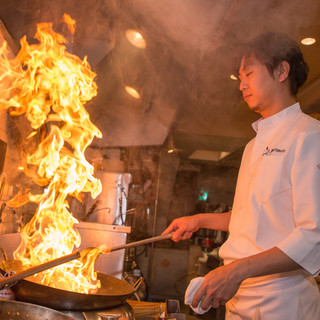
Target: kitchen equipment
{"x":16,"y":310}
{"x":173,"y":310}
{"x":142,"y":242}
{"x":144,"y":309}
{"x":126,"y":311}
{"x":109,"y":316}
{"x":79,"y":254}
{"x":97,"y":234}
{"x":112,"y":201}
{"x":113,"y":291}
{"x":132,"y":310}
{"x":10,"y":280}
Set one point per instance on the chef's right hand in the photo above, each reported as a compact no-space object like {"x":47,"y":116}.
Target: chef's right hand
{"x":183,"y":228}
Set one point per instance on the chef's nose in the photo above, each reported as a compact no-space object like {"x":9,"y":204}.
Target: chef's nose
{"x":243,"y":85}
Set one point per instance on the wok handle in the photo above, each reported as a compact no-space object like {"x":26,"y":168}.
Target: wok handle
{"x":141,"y":242}
{"x":29,"y":272}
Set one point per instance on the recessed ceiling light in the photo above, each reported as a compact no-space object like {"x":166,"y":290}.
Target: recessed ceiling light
{"x":233,"y":77}
{"x":308,"y":41}
{"x":133,"y":92}
{"x":136,"y":38}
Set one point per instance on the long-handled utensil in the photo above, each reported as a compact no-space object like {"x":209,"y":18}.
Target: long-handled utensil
{"x":141,"y":242}
{"x":79,"y":254}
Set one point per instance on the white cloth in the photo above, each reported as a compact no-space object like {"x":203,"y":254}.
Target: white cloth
{"x":277,"y":200}
{"x":192,"y":288}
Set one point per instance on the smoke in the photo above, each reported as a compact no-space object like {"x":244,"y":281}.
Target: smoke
{"x":184,"y":71}
{"x":191,"y":50}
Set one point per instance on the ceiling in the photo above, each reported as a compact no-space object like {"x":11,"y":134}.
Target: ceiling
{"x":188,"y":99}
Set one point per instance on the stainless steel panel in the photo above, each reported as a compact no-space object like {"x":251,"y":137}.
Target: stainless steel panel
{"x":169,"y":273}
{"x":97,"y":234}
{"x":112,"y":205}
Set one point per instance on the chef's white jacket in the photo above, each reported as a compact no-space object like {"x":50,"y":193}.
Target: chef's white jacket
{"x":277,"y":199}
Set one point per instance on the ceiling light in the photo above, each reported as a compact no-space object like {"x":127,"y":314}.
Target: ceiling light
{"x":133,"y":92}
{"x":136,"y":39}
{"x":233,"y":77}
{"x":308,"y":41}
{"x":170,"y":150}
{"x":208,"y":155}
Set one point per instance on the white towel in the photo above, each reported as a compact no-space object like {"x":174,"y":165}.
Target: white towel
{"x":193,"y":287}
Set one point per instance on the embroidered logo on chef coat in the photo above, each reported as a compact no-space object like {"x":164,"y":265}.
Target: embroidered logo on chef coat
{"x":273,"y":152}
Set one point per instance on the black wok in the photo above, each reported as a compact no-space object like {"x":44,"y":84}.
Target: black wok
{"x":113,"y":292}
{"x":16,"y":310}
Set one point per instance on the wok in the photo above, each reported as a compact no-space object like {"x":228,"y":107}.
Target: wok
{"x":16,"y":310}
{"x":113,"y":292}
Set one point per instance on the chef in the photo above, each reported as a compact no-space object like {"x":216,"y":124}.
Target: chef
{"x":273,"y":250}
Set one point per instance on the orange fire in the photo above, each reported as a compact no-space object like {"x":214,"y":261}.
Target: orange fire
{"x":50,"y":86}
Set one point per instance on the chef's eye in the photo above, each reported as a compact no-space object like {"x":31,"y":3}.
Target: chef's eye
{"x":249,"y":73}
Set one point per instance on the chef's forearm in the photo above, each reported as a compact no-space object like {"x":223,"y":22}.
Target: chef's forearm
{"x":214,"y":221}
{"x":265,"y":263}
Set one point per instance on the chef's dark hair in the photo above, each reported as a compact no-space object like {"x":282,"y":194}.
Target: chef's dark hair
{"x":273,"y":47}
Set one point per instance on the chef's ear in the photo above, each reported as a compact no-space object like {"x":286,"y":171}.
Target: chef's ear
{"x":283,"y":70}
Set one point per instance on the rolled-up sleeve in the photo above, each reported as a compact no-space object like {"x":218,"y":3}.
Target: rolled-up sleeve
{"x":303,"y":243}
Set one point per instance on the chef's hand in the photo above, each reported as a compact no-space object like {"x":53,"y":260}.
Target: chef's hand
{"x":219,"y":286}
{"x":183,"y":228}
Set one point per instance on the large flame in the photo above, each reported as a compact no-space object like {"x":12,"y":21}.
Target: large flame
{"x":50,"y":86}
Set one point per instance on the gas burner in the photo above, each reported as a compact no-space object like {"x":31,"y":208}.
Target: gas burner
{"x":122,"y":312}
{"x":134,"y":310}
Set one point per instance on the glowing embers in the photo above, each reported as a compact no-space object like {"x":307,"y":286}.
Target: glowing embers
{"x":132,"y":92}
{"x":136,"y":39}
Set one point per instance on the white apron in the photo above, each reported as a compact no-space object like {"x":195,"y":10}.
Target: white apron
{"x":293,"y":298}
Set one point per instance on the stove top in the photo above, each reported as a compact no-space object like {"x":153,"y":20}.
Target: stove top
{"x":134,"y":310}
{"x":125,"y":310}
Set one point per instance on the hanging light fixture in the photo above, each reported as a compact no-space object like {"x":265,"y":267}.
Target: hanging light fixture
{"x":132,"y":92}
{"x":136,"y":38}
{"x":308,"y":41}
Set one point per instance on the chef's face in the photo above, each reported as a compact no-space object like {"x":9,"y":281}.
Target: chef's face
{"x":257,"y":84}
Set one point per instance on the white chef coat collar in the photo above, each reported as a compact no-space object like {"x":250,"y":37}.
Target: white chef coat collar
{"x":283,"y":114}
